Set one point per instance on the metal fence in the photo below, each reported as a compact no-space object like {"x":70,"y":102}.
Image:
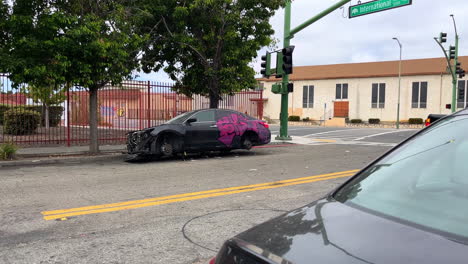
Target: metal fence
{"x":130,"y":106}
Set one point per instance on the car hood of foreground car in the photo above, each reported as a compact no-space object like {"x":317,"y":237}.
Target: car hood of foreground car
{"x":330,"y":232}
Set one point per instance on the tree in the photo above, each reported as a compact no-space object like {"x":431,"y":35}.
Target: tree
{"x":47,"y":96}
{"x":206,"y":46}
{"x":102,"y":49}
{"x":72,"y":42}
{"x":4,"y":34}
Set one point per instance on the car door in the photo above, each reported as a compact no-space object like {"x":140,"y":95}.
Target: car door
{"x":203,"y":133}
{"x":229,"y":136}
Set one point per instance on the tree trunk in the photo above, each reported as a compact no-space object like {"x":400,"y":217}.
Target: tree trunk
{"x":214,"y":94}
{"x":46,"y":117}
{"x":93,"y":121}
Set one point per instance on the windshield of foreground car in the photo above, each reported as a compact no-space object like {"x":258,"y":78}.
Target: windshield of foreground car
{"x":180,"y":118}
{"x":424,"y":182}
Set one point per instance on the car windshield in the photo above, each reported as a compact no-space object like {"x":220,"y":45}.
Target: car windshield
{"x":180,"y":118}
{"x":423,"y":183}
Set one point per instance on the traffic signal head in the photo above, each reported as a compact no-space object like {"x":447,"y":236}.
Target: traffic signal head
{"x":452,"y":52}
{"x":288,"y":59}
{"x":459,"y":70}
{"x":290,"y":87}
{"x":266,"y":65}
{"x":276,"y":88}
{"x":443,"y":37}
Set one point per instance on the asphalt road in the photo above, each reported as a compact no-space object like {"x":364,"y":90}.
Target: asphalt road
{"x":170,"y":211}
{"x":349,"y":135}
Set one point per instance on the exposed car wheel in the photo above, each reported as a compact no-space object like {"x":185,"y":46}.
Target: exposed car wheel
{"x":247,"y":143}
{"x":167,"y":147}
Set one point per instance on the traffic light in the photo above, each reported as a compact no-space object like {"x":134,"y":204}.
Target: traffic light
{"x":448,"y":106}
{"x":443,"y":37}
{"x":266,"y":65}
{"x":288,"y":59}
{"x":459,"y":71}
{"x":276,"y":88}
{"x":452,"y":52}
{"x":290,"y":87}
{"x":461,"y":74}
{"x":279,"y":65}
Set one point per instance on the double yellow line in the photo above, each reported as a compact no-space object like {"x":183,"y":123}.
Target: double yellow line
{"x":104,"y":208}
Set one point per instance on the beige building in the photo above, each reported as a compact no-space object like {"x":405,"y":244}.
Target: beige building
{"x":369,"y":90}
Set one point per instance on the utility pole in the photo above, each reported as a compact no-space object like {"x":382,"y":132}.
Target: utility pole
{"x":288,"y":35}
{"x":399,"y":84}
{"x":285,"y":96}
{"x":455,"y":68}
{"x":454,"y":78}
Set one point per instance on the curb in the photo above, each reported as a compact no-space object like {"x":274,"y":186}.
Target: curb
{"x":68,"y":154}
{"x":64,"y":159}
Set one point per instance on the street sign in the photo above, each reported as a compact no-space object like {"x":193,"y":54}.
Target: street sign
{"x":376,"y":6}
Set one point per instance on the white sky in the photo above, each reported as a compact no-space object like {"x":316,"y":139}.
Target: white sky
{"x":335,"y":39}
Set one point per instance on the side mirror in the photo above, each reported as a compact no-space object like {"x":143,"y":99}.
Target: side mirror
{"x":191,"y":120}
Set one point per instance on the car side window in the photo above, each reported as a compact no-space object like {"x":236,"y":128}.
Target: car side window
{"x":205,"y":116}
{"x":222,"y":113}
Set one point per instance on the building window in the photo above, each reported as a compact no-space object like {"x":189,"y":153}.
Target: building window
{"x":462,"y":101}
{"x":308,"y":96}
{"x":419,"y":98}
{"x":341,"y":91}
{"x":378,"y":95}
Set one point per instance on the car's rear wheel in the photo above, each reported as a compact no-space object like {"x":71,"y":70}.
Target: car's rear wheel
{"x":248,"y":140}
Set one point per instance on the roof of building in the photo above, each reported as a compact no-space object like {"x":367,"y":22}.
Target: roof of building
{"x":432,"y":66}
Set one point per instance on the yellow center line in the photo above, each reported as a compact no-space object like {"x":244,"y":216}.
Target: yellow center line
{"x":56,"y":214}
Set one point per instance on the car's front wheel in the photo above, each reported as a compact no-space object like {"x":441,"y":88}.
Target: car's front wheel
{"x":166,"y":147}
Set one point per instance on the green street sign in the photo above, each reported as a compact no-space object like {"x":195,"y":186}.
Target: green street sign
{"x":376,"y":6}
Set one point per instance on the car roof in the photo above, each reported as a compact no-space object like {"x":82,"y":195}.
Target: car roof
{"x":215,"y":109}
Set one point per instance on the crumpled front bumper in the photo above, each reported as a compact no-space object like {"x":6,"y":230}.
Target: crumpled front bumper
{"x":137,"y":141}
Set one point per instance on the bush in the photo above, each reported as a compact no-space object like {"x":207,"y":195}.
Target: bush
{"x":3,"y":109}
{"x":8,"y":151}
{"x":307,"y":119}
{"x":356,"y":121}
{"x":294,"y":118}
{"x":374,"y":121}
{"x":55,"y":113}
{"x":415,"y":121}
{"x":21,"y":121}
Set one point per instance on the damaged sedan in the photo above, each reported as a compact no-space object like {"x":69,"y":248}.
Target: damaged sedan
{"x":199,"y":131}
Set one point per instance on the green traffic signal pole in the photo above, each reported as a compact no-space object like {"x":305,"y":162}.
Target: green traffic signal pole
{"x":454,"y":72}
{"x":288,"y":35}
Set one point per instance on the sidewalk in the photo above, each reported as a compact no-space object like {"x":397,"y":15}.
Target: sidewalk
{"x":66,"y":151}
{"x":62,"y":155}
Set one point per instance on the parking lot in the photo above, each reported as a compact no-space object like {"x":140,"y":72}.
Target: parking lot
{"x":170,"y":211}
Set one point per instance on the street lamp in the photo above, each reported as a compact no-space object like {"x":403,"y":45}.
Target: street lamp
{"x":399,"y":85}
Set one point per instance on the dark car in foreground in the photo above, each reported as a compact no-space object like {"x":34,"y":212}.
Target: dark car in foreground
{"x":198,"y":131}
{"x":409,"y":206}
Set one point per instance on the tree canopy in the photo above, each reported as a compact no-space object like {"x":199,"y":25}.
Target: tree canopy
{"x":72,"y":42}
{"x":206,"y":46}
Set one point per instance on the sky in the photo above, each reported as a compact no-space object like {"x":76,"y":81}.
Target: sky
{"x":338,"y":39}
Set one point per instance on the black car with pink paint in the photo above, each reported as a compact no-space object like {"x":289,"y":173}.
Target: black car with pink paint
{"x":199,"y":131}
